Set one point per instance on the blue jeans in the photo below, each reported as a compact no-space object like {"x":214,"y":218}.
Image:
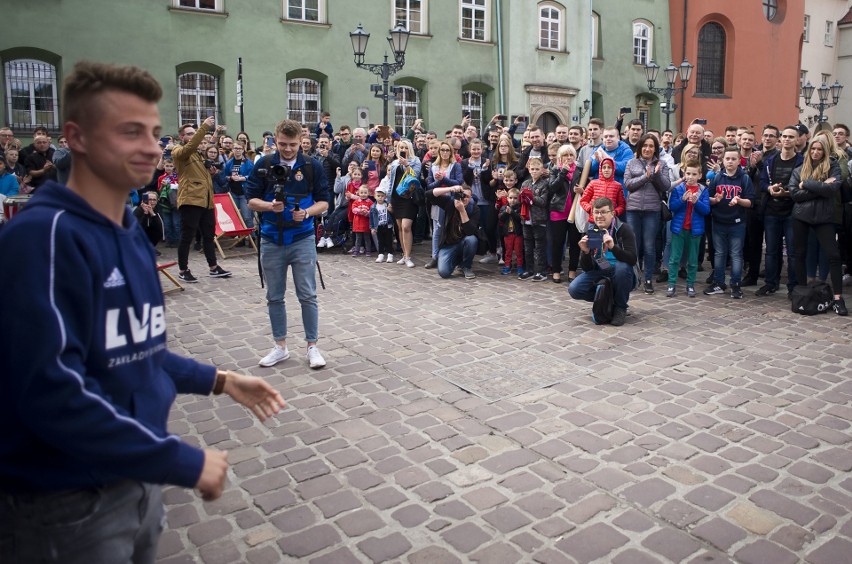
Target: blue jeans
{"x":448,"y":255}
{"x":242,"y":205}
{"x":775,"y":229}
{"x":171,"y":225}
{"x":301,"y":256}
{"x":645,"y":225}
{"x":120,"y":522}
{"x":583,"y":287}
{"x":728,"y":239}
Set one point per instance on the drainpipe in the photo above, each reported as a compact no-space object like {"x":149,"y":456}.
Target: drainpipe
{"x":592,"y":47}
{"x":683,"y":48}
{"x":499,"y":4}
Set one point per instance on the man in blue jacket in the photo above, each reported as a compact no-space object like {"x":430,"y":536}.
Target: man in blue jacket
{"x":86,"y":378}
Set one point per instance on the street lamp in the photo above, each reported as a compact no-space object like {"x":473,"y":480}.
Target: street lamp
{"x":398,"y":41}
{"x":585,"y":109}
{"x":684,"y":71}
{"x":822,"y":94}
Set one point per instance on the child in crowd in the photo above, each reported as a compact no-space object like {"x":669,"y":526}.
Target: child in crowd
{"x":732,"y":193}
{"x":332,"y":221}
{"x":534,"y":199}
{"x":360,"y":209}
{"x":374,"y":167}
{"x":508,"y":180}
{"x":167,"y":184}
{"x":605,"y":186}
{"x":511,"y":231}
{"x":690,"y":204}
{"x":381,"y":225}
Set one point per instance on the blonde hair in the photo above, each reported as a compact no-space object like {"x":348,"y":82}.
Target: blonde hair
{"x":686,"y":149}
{"x":566,"y":150}
{"x":817,"y":171}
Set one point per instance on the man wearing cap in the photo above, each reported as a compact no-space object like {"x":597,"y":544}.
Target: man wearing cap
{"x":804,"y":137}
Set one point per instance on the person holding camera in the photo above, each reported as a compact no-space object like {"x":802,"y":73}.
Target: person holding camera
{"x":458,"y":242}
{"x":289,"y":190}
{"x":195,"y":200}
{"x":607,"y":250}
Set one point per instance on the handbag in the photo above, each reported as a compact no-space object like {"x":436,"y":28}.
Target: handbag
{"x":482,"y":241}
{"x":581,"y":219}
{"x":667,"y":213}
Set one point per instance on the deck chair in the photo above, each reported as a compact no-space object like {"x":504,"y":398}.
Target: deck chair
{"x":230,"y":227}
{"x":175,"y":285}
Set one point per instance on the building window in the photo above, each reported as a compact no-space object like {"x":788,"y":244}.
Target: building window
{"x":829,"y":33}
{"x":406,"y":107}
{"x":473,"y":103}
{"x":550,"y":28}
{"x":642,"y":32}
{"x":806,"y":36}
{"x":31,"y":94}
{"x":474,"y":20}
{"x":206,"y":5}
{"x":303,"y":100}
{"x":711,"y":60}
{"x":770,"y":9}
{"x":826,"y":78}
{"x":198,"y":95}
{"x":803,"y":77}
{"x":311,"y":11}
{"x":411,"y":14}
{"x":596,"y":27}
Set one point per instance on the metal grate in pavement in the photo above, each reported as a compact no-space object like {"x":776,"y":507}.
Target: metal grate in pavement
{"x":510,"y":374}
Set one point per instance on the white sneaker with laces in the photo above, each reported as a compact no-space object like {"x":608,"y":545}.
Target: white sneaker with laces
{"x":321,"y":243}
{"x":276,"y":355}
{"x":390,"y":258}
{"x":402,"y":260}
{"x":315,"y":359}
{"x":409,"y":263}
{"x":380,"y":258}
{"x":328,"y":243}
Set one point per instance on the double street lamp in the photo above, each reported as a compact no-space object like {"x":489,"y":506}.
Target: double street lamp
{"x":672,"y":72}
{"x":822,"y":94}
{"x":398,"y":41}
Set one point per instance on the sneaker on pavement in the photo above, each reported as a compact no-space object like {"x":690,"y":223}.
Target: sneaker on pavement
{"x":468,"y":273}
{"x":276,"y":355}
{"x":690,"y":291}
{"x":380,"y":258}
{"x":315,"y":359}
{"x":368,"y":254}
{"x":538,"y":277}
{"x":736,"y":292}
{"x":187,"y":276}
{"x":506,"y":270}
{"x":219,"y":272}
{"x":401,"y":261}
{"x":321,"y":243}
{"x":328,"y":243}
{"x":390,"y":258}
{"x":649,"y":287}
{"x":749,"y":281}
{"x":671,"y":291}
{"x":525,"y":275}
{"x":408,"y":262}
{"x":619,"y":315}
{"x":433,"y":262}
{"x":765,"y":290}
{"x":839,"y":307}
{"x":489,"y":258}
{"x":714,"y":288}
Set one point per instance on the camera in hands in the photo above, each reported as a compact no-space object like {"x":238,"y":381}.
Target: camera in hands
{"x":209,"y":162}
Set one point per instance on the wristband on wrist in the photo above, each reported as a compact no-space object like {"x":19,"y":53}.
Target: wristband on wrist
{"x":219,"y":386}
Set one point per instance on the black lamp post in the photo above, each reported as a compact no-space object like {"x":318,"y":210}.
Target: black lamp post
{"x":672,"y":72}
{"x":398,"y":41}
{"x":585,"y":109}
{"x":822,"y":94}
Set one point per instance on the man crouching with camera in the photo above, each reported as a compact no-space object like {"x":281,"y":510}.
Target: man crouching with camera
{"x":458,"y":242}
{"x":289,"y":190}
{"x":608,"y":250}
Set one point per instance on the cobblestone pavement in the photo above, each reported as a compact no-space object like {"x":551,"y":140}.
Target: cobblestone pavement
{"x":703,"y":430}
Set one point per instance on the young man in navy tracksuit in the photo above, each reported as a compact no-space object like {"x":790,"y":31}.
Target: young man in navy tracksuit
{"x":86,"y":378}
{"x":731,"y":193}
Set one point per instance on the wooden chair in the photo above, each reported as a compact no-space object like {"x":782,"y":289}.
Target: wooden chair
{"x":230,"y":227}
{"x":163,"y":269}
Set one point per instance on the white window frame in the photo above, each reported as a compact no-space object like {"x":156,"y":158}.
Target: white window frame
{"x":474,"y":102}
{"x":479,"y":9}
{"x":199,"y":94}
{"x":806,"y":34}
{"x":596,"y":26}
{"x":219,"y":6}
{"x":828,"y":41}
{"x":405,"y":7}
{"x":19,"y":72}
{"x":641,"y":42}
{"x":301,"y":6}
{"x":302,"y":113}
{"x":547,"y":23}
{"x":404,"y":108}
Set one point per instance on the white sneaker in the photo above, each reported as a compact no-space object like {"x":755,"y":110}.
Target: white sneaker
{"x":328,"y":243}
{"x":390,"y":258}
{"x":489,"y":258}
{"x":315,"y":359}
{"x":321,"y":243}
{"x":402,"y":260}
{"x":276,"y":355}
{"x":380,"y":258}
{"x":409,"y":263}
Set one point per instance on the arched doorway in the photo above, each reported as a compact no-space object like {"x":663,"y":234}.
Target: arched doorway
{"x":547,"y":122}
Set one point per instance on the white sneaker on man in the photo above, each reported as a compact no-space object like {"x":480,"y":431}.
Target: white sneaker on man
{"x":276,"y":355}
{"x":409,"y":263}
{"x":390,"y":258}
{"x":315,"y":359}
{"x":380,"y":258}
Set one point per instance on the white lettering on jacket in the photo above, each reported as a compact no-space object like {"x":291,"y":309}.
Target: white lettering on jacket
{"x":152,"y":324}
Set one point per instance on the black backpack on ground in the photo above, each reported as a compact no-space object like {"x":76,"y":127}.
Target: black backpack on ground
{"x":603,"y":304}
{"x":812,"y":299}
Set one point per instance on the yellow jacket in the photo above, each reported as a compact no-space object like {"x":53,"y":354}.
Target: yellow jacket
{"x":195,"y":186}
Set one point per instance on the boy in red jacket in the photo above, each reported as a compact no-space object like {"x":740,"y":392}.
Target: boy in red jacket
{"x":605,"y":187}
